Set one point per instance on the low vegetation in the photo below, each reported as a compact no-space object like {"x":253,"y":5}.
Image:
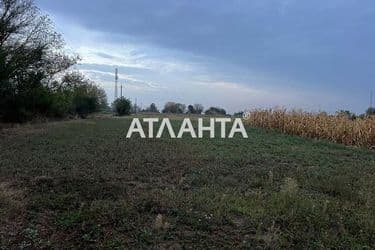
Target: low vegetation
{"x":81,"y":184}
{"x":341,"y":128}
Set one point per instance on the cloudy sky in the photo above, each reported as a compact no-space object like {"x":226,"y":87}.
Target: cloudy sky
{"x":239,"y":54}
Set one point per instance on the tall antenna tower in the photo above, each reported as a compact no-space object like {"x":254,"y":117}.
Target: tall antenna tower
{"x":116,"y":83}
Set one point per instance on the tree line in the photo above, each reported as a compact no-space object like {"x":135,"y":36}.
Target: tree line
{"x":123,"y":106}
{"x":36,"y":80}
{"x":34,"y":69}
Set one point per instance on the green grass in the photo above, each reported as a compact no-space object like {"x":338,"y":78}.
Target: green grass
{"x":83,"y":184}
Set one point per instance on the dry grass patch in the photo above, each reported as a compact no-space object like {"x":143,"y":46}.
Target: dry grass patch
{"x":12,"y":212}
{"x":337,"y":128}
{"x":11,"y":200}
{"x":20,"y":130}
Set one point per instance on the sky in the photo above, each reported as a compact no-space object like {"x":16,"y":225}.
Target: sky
{"x":238,"y":54}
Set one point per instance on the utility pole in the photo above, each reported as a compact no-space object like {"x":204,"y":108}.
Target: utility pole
{"x":121,"y":91}
{"x":371,"y":97}
{"x":135,"y":105}
{"x":116,"y":83}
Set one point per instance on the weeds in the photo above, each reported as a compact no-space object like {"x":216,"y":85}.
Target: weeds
{"x":83,"y":185}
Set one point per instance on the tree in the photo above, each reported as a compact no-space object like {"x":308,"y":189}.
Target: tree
{"x":215,"y":111}
{"x":75,"y":94}
{"x":191,"y":109}
{"x":198,"y":108}
{"x":28,"y":41}
{"x":195,"y":109}
{"x":152,"y":108}
{"x":31,"y":54}
{"x":174,"y":108}
{"x":370,"y":111}
{"x":86,"y":96}
{"x":122,"y":106}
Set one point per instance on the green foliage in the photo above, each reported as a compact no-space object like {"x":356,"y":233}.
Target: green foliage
{"x":215,"y":111}
{"x":31,"y":56}
{"x":85,"y":96}
{"x":61,"y":104}
{"x":122,"y":106}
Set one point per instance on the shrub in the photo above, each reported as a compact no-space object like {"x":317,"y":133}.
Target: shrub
{"x":122,"y":106}
{"x":25,"y":101}
{"x":77,"y":95}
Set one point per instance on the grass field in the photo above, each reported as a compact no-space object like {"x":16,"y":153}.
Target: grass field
{"x":81,"y":184}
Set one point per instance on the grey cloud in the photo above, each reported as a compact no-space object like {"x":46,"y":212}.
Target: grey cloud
{"x":323,"y":44}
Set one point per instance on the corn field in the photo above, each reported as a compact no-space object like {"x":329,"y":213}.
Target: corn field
{"x":337,"y":128}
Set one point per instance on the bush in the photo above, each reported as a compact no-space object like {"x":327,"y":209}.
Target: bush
{"x":61,"y":105}
{"x":122,"y":106}
{"x":76,"y":95}
{"x":25,"y":101}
